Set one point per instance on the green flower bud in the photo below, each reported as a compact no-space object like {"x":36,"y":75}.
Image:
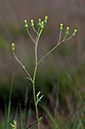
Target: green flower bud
{"x":67,"y":31}
{"x":32,"y":24}
{"x":13,"y":47}
{"x":61,"y":26}
{"x":42,"y":25}
{"x":45,"y":21}
{"x":25,"y":25}
{"x":39,"y":23}
{"x":74,"y":32}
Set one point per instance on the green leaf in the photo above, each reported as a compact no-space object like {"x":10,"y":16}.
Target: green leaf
{"x":13,"y":126}
{"x":39,"y":99}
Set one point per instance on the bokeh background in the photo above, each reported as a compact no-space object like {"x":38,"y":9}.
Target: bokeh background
{"x":62,"y":74}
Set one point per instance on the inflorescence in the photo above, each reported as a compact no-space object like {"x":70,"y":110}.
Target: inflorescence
{"x":41,"y":25}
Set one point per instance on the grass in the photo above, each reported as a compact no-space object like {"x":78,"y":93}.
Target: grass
{"x":9,"y":106}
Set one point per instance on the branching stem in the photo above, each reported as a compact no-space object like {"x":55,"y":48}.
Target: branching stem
{"x":22,"y":66}
{"x":41,"y":26}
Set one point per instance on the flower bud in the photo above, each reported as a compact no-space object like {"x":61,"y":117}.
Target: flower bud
{"x":45,"y":21}
{"x":25,"y":25}
{"x":67,"y":30}
{"x":32,"y":24}
{"x":39,"y":23}
{"x":74,"y":32}
{"x":13,"y":47}
{"x":61,"y":26}
{"x":42,"y":26}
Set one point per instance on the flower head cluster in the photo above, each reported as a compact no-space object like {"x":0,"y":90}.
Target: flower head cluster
{"x":41,"y":24}
{"x":32,"y":23}
{"x":75,"y":30}
{"x":61,"y":26}
{"x":67,"y":30}
{"x":25,"y":24}
{"x":13,"y":47}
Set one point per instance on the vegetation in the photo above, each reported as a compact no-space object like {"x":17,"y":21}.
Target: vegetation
{"x":37,"y":99}
{"x":66,"y":81}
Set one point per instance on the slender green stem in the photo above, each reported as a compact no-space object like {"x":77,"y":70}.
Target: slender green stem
{"x":69,"y":38}
{"x":60,"y":36}
{"x":35,"y":103}
{"x":30,"y":35}
{"x":64,"y":39}
{"x":49,"y":52}
{"x":38,"y":29}
{"x":35,"y":30}
{"x":35,"y":70}
{"x":38,"y":37}
{"x":30,"y":78}
{"x":34,"y":123}
{"x":35,"y":63}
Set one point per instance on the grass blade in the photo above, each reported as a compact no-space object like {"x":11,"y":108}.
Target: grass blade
{"x":9,"y":106}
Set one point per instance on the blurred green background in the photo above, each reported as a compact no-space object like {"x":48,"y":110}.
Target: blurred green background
{"x":62,"y":73}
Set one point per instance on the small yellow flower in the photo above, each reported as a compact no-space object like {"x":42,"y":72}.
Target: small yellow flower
{"x":42,"y":22}
{"x":46,"y":17}
{"x":39,"y":19}
{"x":25,"y":21}
{"x":13,"y":47}
{"x":61,"y":24}
{"x":39,"y":23}
{"x":42,"y":25}
{"x":45,"y":21}
{"x":31,"y":20}
{"x":75,"y":30}
{"x":32,"y":24}
{"x":12,"y":44}
{"x":67,"y":28}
